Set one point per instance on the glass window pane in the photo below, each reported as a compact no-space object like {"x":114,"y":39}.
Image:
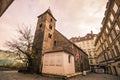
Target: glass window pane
{"x":117,"y":29}
{"x":115,"y":7}
{"x":107,"y":30}
{"x":110,"y":39}
{"x":109,"y":25}
{"x":113,"y":34}
{"x":111,"y":17}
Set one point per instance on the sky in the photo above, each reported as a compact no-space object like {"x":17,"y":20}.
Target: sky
{"x":74,"y":17}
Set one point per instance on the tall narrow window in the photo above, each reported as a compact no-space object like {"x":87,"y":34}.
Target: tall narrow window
{"x":109,"y":54}
{"x":110,"y":39}
{"x":55,"y":43}
{"x":113,"y":34}
{"x":106,"y":56}
{"x":115,"y":7}
{"x":117,"y":29}
{"x":69,"y":58}
{"x":117,"y":50}
{"x":91,"y":62}
{"x":40,"y":26}
{"x":51,"y":20}
{"x":109,"y":25}
{"x":50,"y":36}
{"x":106,"y":30}
{"x":111,"y":17}
{"x":50,"y":27}
{"x":118,"y":45}
{"x":90,"y":54}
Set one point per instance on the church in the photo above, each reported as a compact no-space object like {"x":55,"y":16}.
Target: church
{"x":56,"y":54}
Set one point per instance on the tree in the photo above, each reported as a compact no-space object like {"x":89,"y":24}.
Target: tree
{"x":22,"y":46}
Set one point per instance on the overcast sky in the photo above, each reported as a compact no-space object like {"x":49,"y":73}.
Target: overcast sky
{"x":74,"y":17}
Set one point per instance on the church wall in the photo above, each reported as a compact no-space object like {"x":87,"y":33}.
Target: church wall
{"x":81,"y":61}
{"x":60,"y":40}
{"x":69,"y":66}
{"x":57,"y":63}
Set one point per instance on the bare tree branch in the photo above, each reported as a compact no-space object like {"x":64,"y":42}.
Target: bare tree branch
{"x":22,"y":45}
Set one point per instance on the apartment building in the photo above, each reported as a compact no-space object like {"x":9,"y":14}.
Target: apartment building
{"x":87,"y":44}
{"x":108,"y":41}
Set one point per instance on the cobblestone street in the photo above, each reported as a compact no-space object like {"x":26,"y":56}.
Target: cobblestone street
{"x":14,"y":75}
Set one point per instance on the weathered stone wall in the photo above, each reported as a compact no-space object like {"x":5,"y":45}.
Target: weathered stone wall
{"x":81,"y":58}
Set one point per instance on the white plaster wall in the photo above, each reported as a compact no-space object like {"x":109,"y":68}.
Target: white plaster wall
{"x":64,"y":68}
{"x":69,"y":68}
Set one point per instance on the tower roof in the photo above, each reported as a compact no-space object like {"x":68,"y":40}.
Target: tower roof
{"x":49,"y":12}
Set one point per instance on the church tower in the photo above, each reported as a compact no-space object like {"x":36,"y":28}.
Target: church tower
{"x":43,"y":39}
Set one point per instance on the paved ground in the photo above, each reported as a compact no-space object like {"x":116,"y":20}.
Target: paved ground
{"x":94,"y":76}
{"x":14,"y":75}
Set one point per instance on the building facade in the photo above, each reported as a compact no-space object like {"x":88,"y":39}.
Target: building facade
{"x":108,"y":41}
{"x":4,"y":4}
{"x":87,"y":44}
{"x":54,"y":51}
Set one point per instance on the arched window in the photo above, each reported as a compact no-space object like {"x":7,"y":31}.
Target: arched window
{"x":50,"y":27}
{"x":40,"y":26}
{"x":51,"y":20}
{"x":69,"y":58}
{"x":50,"y":36}
{"x":55,"y":43}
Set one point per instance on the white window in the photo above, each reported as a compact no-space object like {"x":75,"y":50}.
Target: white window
{"x":109,"y":54}
{"x":113,"y":34}
{"x":110,"y":39}
{"x":115,"y":7}
{"x":118,"y":45}
{"x":111,"y":17}
{"x":106,"y":56}
{"x":109,"y":25}
{"x":106,"y":30}
{"x":91,"y":62}
{"x":103,"y":58}
{"x":114,"y":51}
{"x":103,"y":35}
{"x":117,"y":29}
{"x":106,"y":44}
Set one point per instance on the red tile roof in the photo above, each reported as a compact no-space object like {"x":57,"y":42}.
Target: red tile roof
{"x":89,"y":36}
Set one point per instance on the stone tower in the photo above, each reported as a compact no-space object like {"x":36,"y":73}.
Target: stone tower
{"x":43,"y":39}
{"x":44,"y":34}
